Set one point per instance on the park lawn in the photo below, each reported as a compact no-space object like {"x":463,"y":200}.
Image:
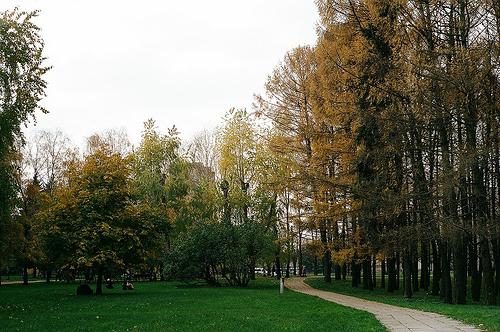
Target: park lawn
{"x":166,"y":307}
{"x":484,"y":317}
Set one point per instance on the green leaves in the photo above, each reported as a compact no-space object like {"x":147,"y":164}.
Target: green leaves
{"x":21,"y":88}
{"x":219,"y":251}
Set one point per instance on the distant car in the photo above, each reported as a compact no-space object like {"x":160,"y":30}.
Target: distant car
{"x":260,"y":270}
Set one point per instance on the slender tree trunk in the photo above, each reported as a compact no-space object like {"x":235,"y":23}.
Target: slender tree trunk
{"x":277,"y":263}
{"x":460,"y":271}
{"x":338,"y":272}
{"x":436,"y":269}
{"x":489,"y":294}
{"x":424,"y":265}
{"x":398,"y":269}
{"x":327,"y":260}
{"x":98,"y":289}
{"x":316,"y":266}
{"x":414,"y":267}
{"x":253,"y":264}
{"x":496,"y":250}
{"x":288,"y":235}
{"x":475,"y":275}
{"x":445,"y":287}
{"x":301,"y":264}
{"x":407,"y":273}
{"x":382,"y":274}
{"x":25,"y":275}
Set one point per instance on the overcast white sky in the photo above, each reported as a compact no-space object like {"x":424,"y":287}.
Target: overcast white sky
{"x":118,"y":63}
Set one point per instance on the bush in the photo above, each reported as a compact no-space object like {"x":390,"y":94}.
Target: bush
{"x":218,"y":251}
{"x":84,"y":289}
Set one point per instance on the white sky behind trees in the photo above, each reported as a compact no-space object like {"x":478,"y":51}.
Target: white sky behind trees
{"x":118,"y":63}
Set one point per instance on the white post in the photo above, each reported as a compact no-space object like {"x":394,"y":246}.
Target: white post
{"x":282,"y":285}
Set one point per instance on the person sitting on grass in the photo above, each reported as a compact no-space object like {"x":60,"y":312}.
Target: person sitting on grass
{"x":127,"y":285}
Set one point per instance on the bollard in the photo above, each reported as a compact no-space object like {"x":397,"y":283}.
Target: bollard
{"x":282,"y":285}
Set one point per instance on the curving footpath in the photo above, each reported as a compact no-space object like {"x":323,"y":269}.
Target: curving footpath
{"x":393,"y":317}
{"x":19,"y":282}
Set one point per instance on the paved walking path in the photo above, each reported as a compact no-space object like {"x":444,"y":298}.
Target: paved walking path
{"x":17,"y":282}
{"x":394,"y":318}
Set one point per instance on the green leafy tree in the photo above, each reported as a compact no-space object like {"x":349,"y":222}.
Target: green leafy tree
{"x":237,"y":146}
{"x":21,"y":88}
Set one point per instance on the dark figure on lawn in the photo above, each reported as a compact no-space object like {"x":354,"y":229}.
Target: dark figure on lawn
{"x":109,"y":283}
{"x":84,"y":289}
{"x":127,"y":285}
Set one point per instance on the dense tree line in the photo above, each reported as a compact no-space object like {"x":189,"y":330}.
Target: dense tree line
{"x":391,"y":123}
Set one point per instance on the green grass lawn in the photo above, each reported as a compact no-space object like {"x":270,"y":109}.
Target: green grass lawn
{"x":485,"y":317}
{"x":165,"y":307}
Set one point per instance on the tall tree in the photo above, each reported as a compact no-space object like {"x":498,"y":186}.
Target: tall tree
{"x":21,"y":88}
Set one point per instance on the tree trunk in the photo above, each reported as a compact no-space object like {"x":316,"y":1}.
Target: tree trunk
{"x":98,"y":288}
{"x":382,"y":274}
{"x":327,"y":261}
{"x":301,"y":264}
{"x":488,"y":283}
{"x":48,"y":275}
{"x":436,"y":269}
{"x":398,"y":269}
{"x":252,"y":270}
{"x":367,"y":274}
{"x":355,"y":272}
{"x":475,"y":275}
{"x":460,"y":271}
{"x":445,"y":287}
{"x":338,"y":272}
{"x":391,"y":274}
{"x":424,"y":266}
{"x":414,"y":268}
{"x":315,"y":265}
{"x":278,"y":265}
{"x":407,"y":272}
{"x":288,"y":234}
{"x":496,"y":251}
{"x":25,"y":275}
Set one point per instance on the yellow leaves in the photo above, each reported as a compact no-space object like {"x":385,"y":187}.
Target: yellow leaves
{"x":316,"y":248}
{"x":82,"y":261}
{"x":104,"y":228}
{"x":342,"y":256}
{"x":171,"y":215}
